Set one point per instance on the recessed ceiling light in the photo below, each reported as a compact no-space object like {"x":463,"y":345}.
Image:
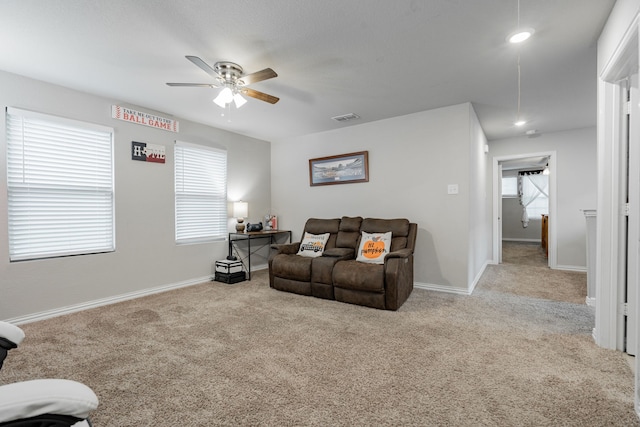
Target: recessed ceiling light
{"x":520,"y":35}
{"x":520,"y":123}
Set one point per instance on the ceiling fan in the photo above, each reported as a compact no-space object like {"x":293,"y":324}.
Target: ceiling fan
{"x":230,"y":77}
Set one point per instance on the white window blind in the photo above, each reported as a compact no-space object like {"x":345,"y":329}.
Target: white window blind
{"x":510,"y":186}
{"x":60,"y":186}
{"x":201,"y":193}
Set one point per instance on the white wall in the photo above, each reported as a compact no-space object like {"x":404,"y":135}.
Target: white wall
{"x":146,"y":255}
{"x":576,"y":184}
{"x":617,"y":26}
{"x":412,"y":159}
{"x":479,"y":202}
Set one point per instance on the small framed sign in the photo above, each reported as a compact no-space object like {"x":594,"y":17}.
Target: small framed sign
{"x":147,"y":152}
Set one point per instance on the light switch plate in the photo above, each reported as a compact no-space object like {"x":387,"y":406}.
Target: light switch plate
{"x":452,"y":189}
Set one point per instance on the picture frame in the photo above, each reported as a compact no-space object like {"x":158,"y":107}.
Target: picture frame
{"x":340,"y":169}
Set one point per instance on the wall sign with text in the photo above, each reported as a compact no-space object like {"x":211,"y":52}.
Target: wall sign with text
{"x":145,"y":119}
{"x":147,"y":152}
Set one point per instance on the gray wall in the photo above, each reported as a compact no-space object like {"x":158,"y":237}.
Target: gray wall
{"x":412,"y":159}
{"x":576,"y":184}
{"x":512,"y":228}
{"x":146,"y":254}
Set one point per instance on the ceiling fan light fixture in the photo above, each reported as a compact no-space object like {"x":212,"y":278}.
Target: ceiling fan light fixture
{"x":231,"y":78}
{"x":224,"y":97}
{"x":239,"y":100}
{"x":520,"y":35}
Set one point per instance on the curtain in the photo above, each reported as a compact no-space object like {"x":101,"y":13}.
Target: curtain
{"x":531,"y":186}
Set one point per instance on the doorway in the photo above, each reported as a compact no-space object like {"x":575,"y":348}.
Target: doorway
{"x":503,"y":164}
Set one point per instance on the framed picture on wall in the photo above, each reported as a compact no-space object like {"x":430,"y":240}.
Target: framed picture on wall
{"x":341,"y":169}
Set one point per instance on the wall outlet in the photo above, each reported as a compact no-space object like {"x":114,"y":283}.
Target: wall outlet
{"x":452,"y":189}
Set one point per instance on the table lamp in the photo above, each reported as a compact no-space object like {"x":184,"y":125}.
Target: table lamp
{"x":240,"y":211}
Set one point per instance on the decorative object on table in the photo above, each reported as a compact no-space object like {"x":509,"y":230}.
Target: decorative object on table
{"x":270,"y":222}
{"x":254,"y":227}
{"x":240,"y":212}
{"x":229,"y":271}
{"x":341,"y":169}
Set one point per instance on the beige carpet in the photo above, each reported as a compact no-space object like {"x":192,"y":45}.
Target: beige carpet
{"x":246,"y":355}
{"x":525,"y":272}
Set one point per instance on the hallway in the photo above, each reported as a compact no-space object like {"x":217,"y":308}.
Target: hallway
{"x":524,"y":272}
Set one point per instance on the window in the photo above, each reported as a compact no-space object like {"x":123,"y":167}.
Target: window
{"x":535,"y":194}
{"x":59,"y":186}
{"x":201,"y":193}
{"x":509,"y":186}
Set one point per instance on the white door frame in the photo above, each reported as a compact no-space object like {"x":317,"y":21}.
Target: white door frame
{"x":498,"y":226}
{"x":633,"y":248}
{"x":552,"y":235}
{"x":622,"y":63}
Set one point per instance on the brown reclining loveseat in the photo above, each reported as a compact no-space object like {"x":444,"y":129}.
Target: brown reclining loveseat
{"x":337,"y":275}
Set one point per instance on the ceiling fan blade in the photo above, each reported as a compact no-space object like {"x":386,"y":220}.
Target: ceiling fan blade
{"x":203,"y":65}
{"x":194,"y":85}
{"x":258,"y":76}
{"x":260,"y":95}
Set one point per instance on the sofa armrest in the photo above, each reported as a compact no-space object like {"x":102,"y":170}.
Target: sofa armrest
{"x":344,"y":253}
{"x":398,"y":270}
{"x":286,"y":248}
{"x":47,"y":396}
{"x":402,"y":253}
{"x":12,"y":335}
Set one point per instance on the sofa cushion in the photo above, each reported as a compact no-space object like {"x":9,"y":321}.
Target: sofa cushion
{"x":399,"y":228}
{"x":374,"y":247}
{"x":349,"y":232}
{"x":312,"y":245}
{"x":321,"y":226}
{"x":292,"y":267}
{"x":359,"y":276}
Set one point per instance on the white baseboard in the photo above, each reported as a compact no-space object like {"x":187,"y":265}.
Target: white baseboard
{"x":508,"y":239}
{"x":104,"y":301}
{"x":457,"y":291}
{"x":441,"y":288}
{"x":571,"y":268}
{"x":473,"y":284}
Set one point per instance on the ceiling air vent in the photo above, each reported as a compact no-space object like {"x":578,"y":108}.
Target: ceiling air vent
{"x":346,"y":117}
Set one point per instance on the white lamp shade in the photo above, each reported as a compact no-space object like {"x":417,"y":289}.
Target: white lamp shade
{"x":239,"y":100}
{"x":240,"y":209}
{"x":224,"y":97}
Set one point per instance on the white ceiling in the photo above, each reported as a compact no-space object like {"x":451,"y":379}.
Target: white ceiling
{"x":375,"y":58}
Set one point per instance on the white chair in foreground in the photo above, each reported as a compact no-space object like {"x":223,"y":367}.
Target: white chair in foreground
{"x":43,"y":402}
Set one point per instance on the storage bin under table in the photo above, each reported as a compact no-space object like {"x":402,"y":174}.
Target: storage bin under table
{"x":228,"y":271}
